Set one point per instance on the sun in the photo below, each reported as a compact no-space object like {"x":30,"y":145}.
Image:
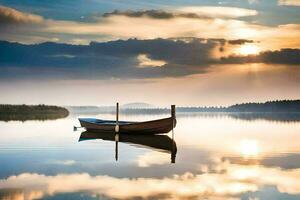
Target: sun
{"x":248,"y":49}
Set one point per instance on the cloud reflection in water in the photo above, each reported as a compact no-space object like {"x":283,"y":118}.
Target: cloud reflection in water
{"x":231,"y":181}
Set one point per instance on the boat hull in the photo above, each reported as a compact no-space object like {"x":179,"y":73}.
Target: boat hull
{"x":149,"y":127}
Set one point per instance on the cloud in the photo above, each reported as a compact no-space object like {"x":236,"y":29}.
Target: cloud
{"x":149,"y":28}
{"x":62,"y":162}
{"x":153,"y":158}
{"x":200,"y":22}
{"x":145,"y":61}
{"x":121,"y":59}
{"x":201,"y":12}
{"x":240,"y":41}
{"x":116,"y":26}
{"x":12,"y":16}
{"x":171,"y":24}
{"x":145,"y":57}
{"x":154,"y":14}
{"x":125,"y":59}
{"x":289,"y":2}
{"x":219,"y":12}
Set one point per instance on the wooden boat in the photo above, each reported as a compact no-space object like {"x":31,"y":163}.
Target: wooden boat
{"x":159,"y":126}
{"x":162,"y":143}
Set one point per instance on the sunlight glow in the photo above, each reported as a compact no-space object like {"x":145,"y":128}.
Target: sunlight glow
{"x":249,"y":148}
{"x":248,"y":49}
{"x":145,"y":61}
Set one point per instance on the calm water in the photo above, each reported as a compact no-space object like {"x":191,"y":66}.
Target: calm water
{"x":218,"y":157}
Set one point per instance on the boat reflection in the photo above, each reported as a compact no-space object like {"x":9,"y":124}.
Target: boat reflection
{"x":162,"y":143}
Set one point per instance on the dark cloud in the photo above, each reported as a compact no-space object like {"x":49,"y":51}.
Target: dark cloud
{"x":283,"y":56}
{"x":105,"y":60}
{"x":120,"y":59}
{"x":239,"y":42}
{"x":155,"y":14}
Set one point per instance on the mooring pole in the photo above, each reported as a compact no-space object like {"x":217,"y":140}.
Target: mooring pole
{"x":117,"y":119}
{"x":117,"y":129}
{"x":173,"y":114}
{"x":173,"y":151}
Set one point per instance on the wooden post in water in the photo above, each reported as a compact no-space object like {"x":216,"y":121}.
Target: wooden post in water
{"x":173,"y":114}
{"x":117,"y":129}
{"x":117,"y":119}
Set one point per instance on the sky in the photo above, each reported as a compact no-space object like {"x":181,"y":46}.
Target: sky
{"x":195,"y":53}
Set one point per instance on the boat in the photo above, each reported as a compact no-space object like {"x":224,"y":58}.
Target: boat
{"x":152,"y":127}
{"x":161,"y":143}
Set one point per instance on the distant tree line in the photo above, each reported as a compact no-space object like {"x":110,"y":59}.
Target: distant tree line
{"x":31,"y":112}
{"x":269,"y":106}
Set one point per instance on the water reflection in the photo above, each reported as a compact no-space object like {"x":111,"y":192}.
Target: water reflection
{"x":277,"y":117}
{"x":221,"y":158}
{"x":162,"y":143}
{"x":228,"y":182}
{"x":247,"y":116}
{"x":249,"y":148}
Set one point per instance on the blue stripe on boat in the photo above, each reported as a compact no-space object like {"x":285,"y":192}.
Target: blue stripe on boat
{"x":100,"y":121}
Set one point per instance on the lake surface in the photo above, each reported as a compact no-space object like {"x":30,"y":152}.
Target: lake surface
{"x":218,"y":157}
